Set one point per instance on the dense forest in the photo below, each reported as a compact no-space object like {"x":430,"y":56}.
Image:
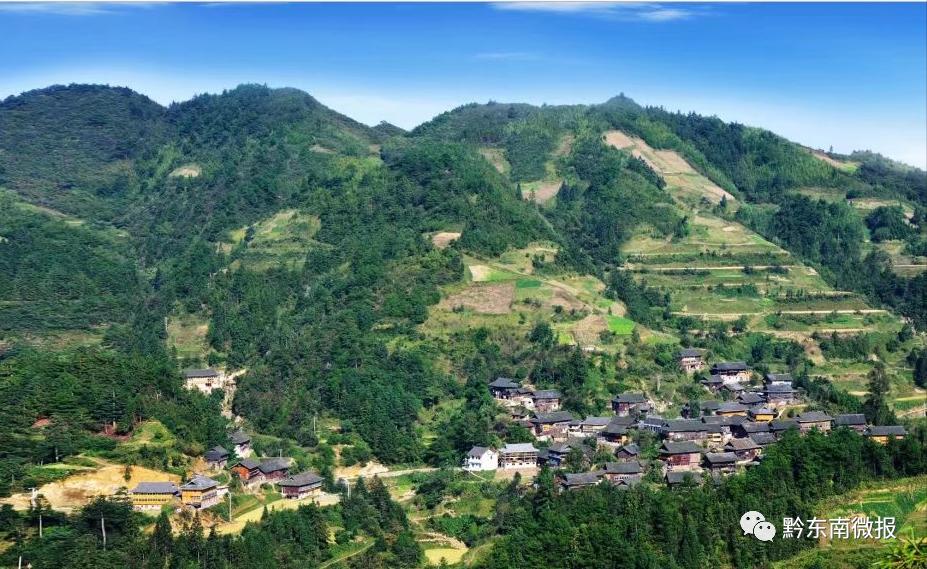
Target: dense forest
{"x":117,"y":215}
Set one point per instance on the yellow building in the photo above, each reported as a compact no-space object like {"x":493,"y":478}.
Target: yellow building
{"x":762,"y":414}
{"x":153,"y":495}
{"x":200,"y":492}
{"x":881,"y":434}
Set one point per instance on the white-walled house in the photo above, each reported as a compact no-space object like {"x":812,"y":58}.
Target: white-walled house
{"x":481,"y":458}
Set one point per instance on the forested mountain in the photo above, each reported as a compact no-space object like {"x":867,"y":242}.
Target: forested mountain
{"x":305,"y":249}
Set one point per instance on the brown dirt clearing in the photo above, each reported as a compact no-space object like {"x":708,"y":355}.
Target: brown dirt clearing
{"x":495,"y":298}
{"x":443,"y":238}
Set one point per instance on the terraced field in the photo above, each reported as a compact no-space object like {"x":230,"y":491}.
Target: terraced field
{"x":723,"y":271}
{"x":506,"y":292}
{"x":281,"y":239}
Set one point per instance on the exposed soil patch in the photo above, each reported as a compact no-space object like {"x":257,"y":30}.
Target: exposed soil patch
{"x":544,"y":191}
{"x":587,"y":330}
{"x":479,"y":273}
{"x":488,"y":298}
{"x":443,"y":238}
{"x":187,"y":171}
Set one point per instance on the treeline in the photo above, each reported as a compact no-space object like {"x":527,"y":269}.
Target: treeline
{"x":58,"y":404}
{"x":693,"y":527}
{"x":287,"y":538}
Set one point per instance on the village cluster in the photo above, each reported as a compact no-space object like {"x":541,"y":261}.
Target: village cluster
{"x":718,"y":437}
{"x":201,"y":491}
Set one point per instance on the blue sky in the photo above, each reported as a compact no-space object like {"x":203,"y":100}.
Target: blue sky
{"x":848,"y":75}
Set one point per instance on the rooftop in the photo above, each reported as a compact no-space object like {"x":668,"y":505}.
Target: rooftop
{"x":190,"y":373}
{"x":632,"y":467}
{"x":629,"y":397}
{"x":199,"y":482}
{"x":683,"y":447}
{"x":547,"y":394}
{"x":720,"y":457}
{"x":518,"y":447}
{"x":303,"y":479}
{"x":813,"y":417}
{"x":729,"y":366}
{"x":553,"y":417}
{"x":743,"y":444}
{"x":886,"y":431}
{"x":849,"y":419}
{"x":504,"y":383}
{"x":155,"y":488}
{"x":690,"y":353}
{"x":274,"y":464}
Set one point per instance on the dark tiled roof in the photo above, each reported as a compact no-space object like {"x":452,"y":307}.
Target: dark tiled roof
{"x":778,"y":388}
{"x":713,"y":379}
{"x":762,"y":411}
{"x":632,"y":467}
{"x":689,"y":353}
{"x":685,"y":426}
{"x":750,"y":398}
{"x":554,"y":417}
{"x":200,"y":373}
{"x":849,"y":419}
{"x":777,"y":425}
{"x":518,"y":447}
{"x":596,"y":421}
{"x":684,"y":447}
{"x":763,"y":439}
{"x":709,"y":405}
{"x":274,"y":465}
{"x":629,"y":397}
{"x":216,"y":454}
{"x":240,"y":437}
{"x":886,"y":431}
{"x":547,"y":394}
{"x":200,"y":483}
{"x":248,"y":463}
{"x":813,"y":417}
{"x":731,"y":407}
{"x":504,"y":383}
{"x":304,"y":479}
{"x":155,"y":488}
{"x":720,"y":457}
{"x":745,"y":443}
{"x":771,"y":377}
{"x":750,"y":427}
{"x":631,"y":449}
{"x":477,"y":452}
{"x":581,"y":479}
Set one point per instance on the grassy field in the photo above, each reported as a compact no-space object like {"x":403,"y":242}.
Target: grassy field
{"x":507,"y":293}
{"x":186,"y":333}
{"x":281,"y":239}
{"x":905,"y":500}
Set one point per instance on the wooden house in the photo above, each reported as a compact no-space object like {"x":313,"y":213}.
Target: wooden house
{"x":749,"y":428}
{"x":732,"y":372}
{"x":575,"y":481}
{"x":688,"y":430}
{"x":630,"y":403}
{"x":241,"y":442}
{"x":248,"y":471}
{"x":883,"y":433}
{"x":629,"y":471}
{"x":713,"y":383}
{"x":216,"y":457}
{"x":204,"y":380}
{"x":779,"y":394}
{"x":681,"y":455}
{"x":274,"y":469}
{"x":200,"y":492}
{"x":722,"y":462}
{"x":546,"y":401}
{"x":751,"y":398}
{"x":761,"y":414}
{"x":814,"y":420}
{"x":554,"y":426}
{"x":557,"y":453}
{"x":518,"y":455}
{"x":300,"y":486}
{"x":153,"y":495}
{"x":615,"y":432}
{"x":745,"y":449}
{"x":503,"y":388}
{"x":729,"y":408}
{"x":690,"y":360}
{"x":763,"y":439}
{"x":709,"y":407}
{"x":653,"y":424}
{"x":628,"y":452}
{"x":594,"y":425}
{"x":855,"y":421}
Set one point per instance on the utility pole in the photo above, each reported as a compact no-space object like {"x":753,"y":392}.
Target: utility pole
{"x":230,"y":506}
{"x":103,"y":528}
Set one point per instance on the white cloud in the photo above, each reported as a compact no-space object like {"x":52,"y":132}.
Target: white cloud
{"x":620,"y":11}
{"x":507,"y":56}
{"x":56,"y":8}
